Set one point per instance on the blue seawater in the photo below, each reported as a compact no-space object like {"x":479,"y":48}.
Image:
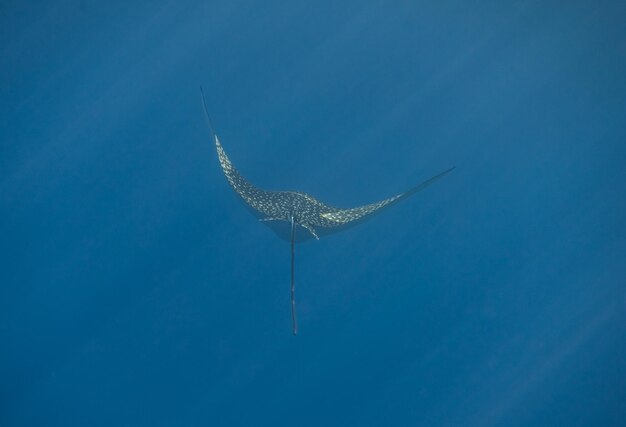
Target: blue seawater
{"x":135,"y":290}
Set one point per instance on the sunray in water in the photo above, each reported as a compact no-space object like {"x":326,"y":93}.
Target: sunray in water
{"x":297,"y":216}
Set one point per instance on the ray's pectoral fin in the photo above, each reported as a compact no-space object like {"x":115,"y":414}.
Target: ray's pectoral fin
{"x":311,"y":230}
{"x":347,"y":217}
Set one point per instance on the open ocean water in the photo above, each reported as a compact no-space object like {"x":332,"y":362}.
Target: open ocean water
{"x":136,"y":290}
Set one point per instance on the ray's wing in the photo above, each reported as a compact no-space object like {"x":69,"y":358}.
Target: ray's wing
{"x":342,"y":218}
{"x":259,"y":200}
{"x":252,"y":196}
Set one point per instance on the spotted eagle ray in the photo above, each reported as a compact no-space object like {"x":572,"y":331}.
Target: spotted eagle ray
{"x":297,"y":216}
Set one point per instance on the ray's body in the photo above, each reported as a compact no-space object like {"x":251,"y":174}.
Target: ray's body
{"x":297,"y":216}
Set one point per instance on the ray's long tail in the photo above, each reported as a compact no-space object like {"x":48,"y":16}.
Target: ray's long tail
{"x":293,"y":281}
